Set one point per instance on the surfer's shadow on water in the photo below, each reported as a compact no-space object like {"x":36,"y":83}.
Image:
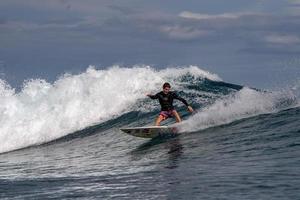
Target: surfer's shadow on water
{"x":175,"y":151}
{"x":158,"y":148}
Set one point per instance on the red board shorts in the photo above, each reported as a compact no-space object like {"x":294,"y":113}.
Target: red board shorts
{"x":167,"y":114}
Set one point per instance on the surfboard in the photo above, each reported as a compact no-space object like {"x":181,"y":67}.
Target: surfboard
{"x":151,"y":131}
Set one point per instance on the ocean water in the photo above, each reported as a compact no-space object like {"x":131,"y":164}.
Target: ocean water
{"x":62,"y":140}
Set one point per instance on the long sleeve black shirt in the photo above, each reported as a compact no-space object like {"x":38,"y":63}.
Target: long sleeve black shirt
{"x":166,"y":100}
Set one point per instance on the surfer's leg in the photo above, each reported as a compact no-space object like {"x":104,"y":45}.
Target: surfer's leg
{"x":177,"y":116}
{"x":159,"y":119}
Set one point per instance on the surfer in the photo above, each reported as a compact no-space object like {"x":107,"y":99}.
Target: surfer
{"x":166,"y":98}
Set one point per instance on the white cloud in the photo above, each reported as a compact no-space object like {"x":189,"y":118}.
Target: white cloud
{"x":232,"y":16}
{"x":199,"y":16}
{"x":183,"y":33}
{"x":282,"y":39}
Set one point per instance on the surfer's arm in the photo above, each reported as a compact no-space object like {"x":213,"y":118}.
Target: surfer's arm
{"x":183,"y":101}
{"x":180,"y":99}
{"x":153,"y":96}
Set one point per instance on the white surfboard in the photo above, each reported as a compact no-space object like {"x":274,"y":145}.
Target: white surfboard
{"x":151,"y":131}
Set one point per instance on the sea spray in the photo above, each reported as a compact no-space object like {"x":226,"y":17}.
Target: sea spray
{"x":244,"y":103}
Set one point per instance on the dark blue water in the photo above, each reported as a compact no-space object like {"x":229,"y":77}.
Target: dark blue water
{"x":252,"y":155}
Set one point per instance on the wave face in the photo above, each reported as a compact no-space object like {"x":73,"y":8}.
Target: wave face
{"x":42,"y":112}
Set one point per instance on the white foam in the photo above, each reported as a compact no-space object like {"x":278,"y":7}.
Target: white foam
{"x":192,"y":70}
{"x":244,"y":103}
{"x":42,"y":112}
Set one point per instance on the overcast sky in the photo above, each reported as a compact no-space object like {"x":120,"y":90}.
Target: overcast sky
{"x":255,"y":42}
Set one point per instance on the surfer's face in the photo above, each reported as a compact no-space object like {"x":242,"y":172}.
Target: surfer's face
{"x":166,"y":90}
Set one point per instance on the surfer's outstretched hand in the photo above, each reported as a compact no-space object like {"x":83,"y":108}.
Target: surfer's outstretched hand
{"x":190,"y":109}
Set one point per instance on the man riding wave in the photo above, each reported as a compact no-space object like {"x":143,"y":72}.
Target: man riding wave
{"x":166,"y":98}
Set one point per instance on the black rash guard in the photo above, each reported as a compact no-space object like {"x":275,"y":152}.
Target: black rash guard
{"x":166,"y":100}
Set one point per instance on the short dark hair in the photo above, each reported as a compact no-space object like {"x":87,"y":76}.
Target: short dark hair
{"x":166,"y":85}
